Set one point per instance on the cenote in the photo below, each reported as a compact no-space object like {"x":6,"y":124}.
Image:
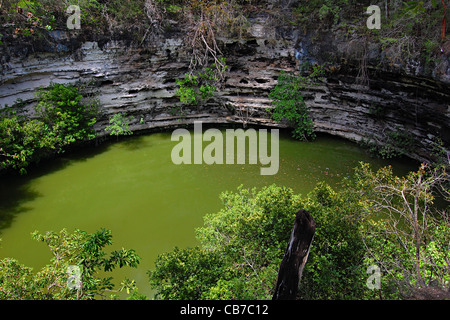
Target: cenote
{"x":150,"y":204}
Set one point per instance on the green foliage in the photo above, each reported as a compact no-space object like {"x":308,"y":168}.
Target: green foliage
{"x":412,"y":32}
{"x":187,"y":91}
{"x":246,"y":241}
{"x":23,"y":142}
{"x":242,"y":245}
{"x":63,"y":119}
{"x":328,"y":12}
{"x":288,"y":103}
{"x":39,"y":17}
{"x":194,"y":88}
{"x":241,"y":248}
{"x":61,"y":108}
{"x":395,"y":143}
{"x":335,"y":268}
{"x":405,"y":233}
{"x":328,"y":9}
{"x":17,"y":281}
{"x":80,"y":249}
{"x":439,"y":154}
{"x":119,"y":124}
{"x":186,"y":274}
{"x":126,"y":13}
{"x":430,"y":47}
{"x":413,"y":8}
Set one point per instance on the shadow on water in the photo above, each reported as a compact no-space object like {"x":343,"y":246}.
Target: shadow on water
{"x":14,"y":195}
{"x":16,"y":190}
{"x":133,"y":143}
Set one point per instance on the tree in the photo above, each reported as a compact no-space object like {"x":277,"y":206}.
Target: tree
{"x":62,"y":119}
{"x":242,"y":246}
{"x":61,"y":108}
{"x":405,"y":233}
{"x":76,"y":251}
{"x":119,"y":124}
{"x":295,"y":257}
{"x":376,"y":218}
{"x":241,"y":249}
{"x":186,"y":274}
{"x":335,"y":268}
{"x":23,"y":142}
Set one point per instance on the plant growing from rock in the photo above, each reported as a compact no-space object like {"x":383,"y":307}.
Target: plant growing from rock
{"x":288,"y":103}
{"x":61,"y":107}
{"x":393,"y":144}
{"x":64,"y":117}
{"x":119,"y":125}
{"x":200,"y":86}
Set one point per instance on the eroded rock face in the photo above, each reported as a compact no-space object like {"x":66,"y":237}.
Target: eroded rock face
{"x":390,"y":103}
{"x":141,"y":81}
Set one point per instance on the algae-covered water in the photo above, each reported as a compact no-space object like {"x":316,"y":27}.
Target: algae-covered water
{"x":133,"y":188}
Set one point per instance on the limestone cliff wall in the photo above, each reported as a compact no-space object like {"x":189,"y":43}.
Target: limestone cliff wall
{"x":141,"y":81}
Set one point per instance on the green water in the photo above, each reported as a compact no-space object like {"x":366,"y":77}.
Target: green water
{"x":151,"y":205}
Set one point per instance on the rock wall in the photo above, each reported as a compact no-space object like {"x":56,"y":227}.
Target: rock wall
{"x":141,"y":81}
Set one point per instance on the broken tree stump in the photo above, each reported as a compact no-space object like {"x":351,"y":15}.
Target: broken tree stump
{"x":295,"y":257}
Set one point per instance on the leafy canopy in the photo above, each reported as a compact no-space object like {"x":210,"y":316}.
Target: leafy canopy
{"x":369,"y":221}
{"x":243,"y":244}
{"x":200,"y":86}
{"x":405,"y":232}
{"x":63,"y":118}
{"x":60,"y":107}
{"x":80,"y":249}
{"x":241,"y":247}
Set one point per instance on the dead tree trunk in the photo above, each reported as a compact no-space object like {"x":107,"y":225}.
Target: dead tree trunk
{"x":294,"y":260}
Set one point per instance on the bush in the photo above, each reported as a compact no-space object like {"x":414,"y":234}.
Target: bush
{"x":405,"y":233}
{"x":394,"y":144}
{"x":119,"y":125}
{"x":61,"y":108}
{"x":81,"y":249}
{"x":289,"y":105}
{"x":186,"y":274}
{"x":367,"y":222}
{"x":63,"y":119}
{"x":335,"y":268}
{"x":201,"y":86}
{"x":246,"y":241}
{"x":23,"y":142}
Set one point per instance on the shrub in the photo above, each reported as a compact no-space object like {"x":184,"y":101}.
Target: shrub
{"x":246,"y":241}
{"x":119,"y":125}
{"x":201,"y":86}
{"x":81,"y":249}
{"x":63,"y":119}
{"x":241,"y":249}
{"x":289,"y":105}
{"x":61,"y":108}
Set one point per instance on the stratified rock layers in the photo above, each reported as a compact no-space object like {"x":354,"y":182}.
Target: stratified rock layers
{"x":141,"y":81}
